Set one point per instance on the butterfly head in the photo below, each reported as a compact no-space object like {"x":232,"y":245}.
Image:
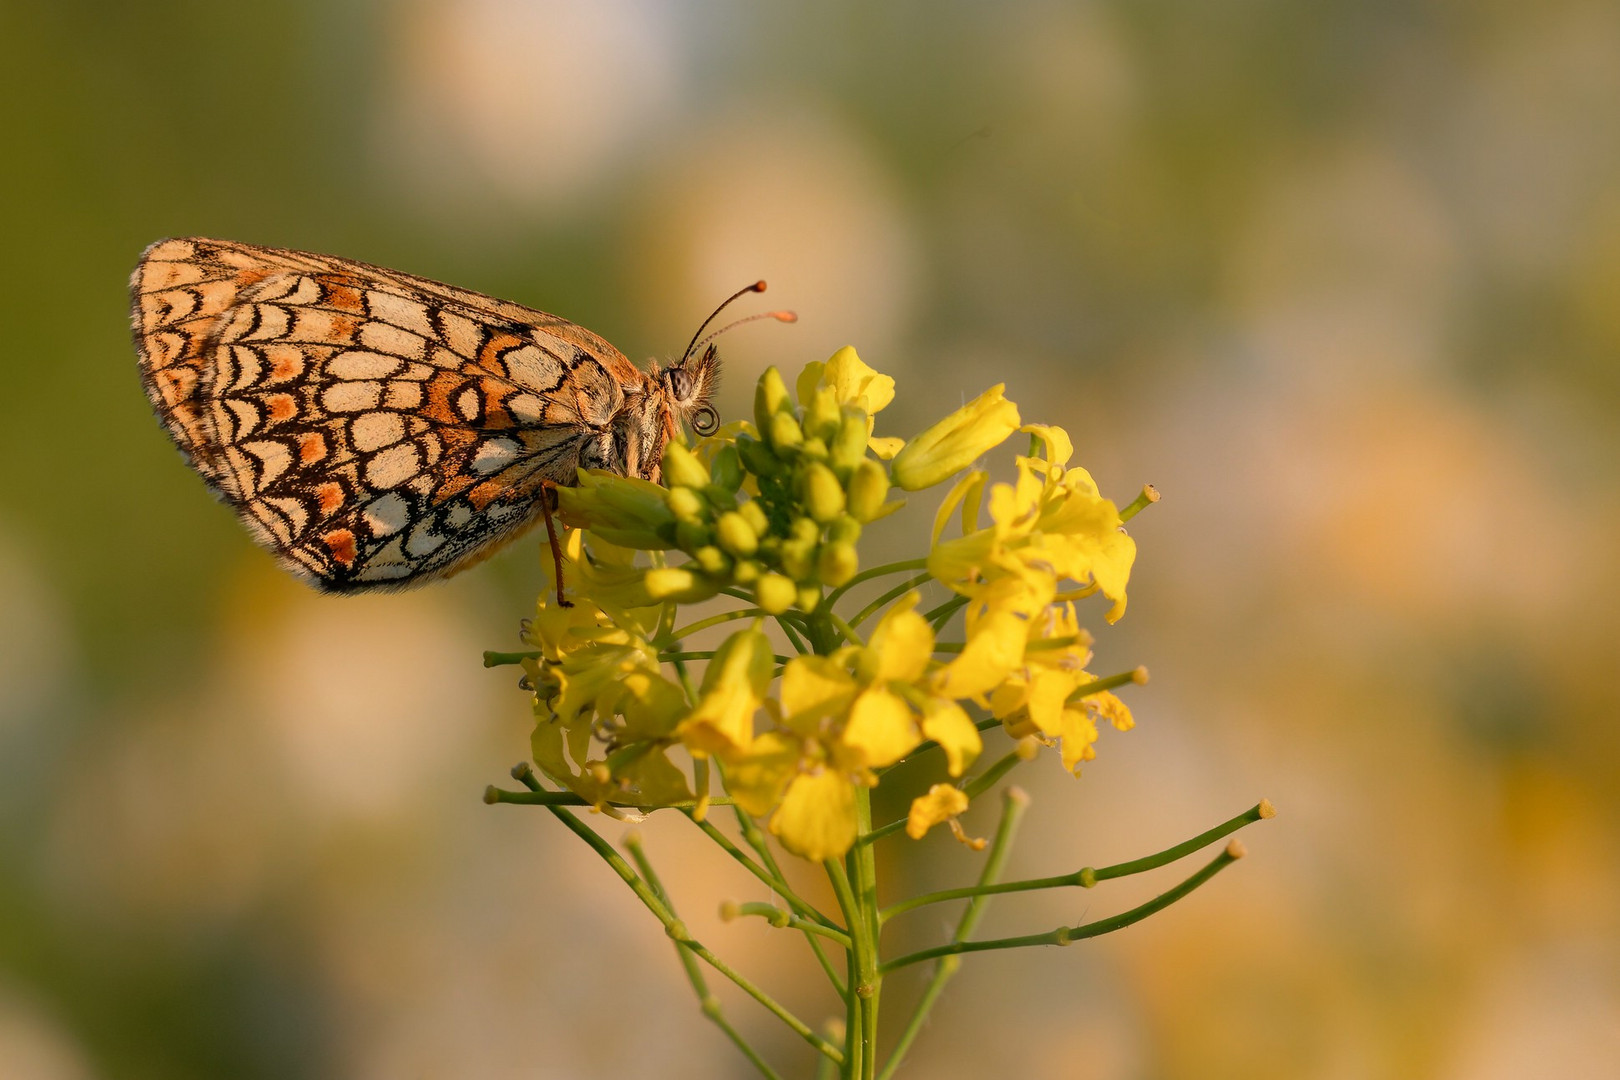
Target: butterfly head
{"x":689,"y":385}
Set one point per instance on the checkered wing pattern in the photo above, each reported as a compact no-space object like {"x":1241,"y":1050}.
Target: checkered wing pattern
{"x":371,"y":428}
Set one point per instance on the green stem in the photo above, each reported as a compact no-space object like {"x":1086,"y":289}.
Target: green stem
{"x":787,"y":628}
{"x":1149,"y":496}
{"x":851,"y":908}
{"x":1087,"y":877}
{"x":538,"y":797}
{"x":1013,"y":804}
{"x":501,"y":659}
{"x":754,"y":836}
{"x":782,"y":919}
{"x":677,"y":930}
{"x":1067,"y":935}
{"x":893,"y":594}
{"x":876,"y":571}
{"x":941,"y":615}
{"x":707,"y":1002}
{"x":703,"y":624}
{"x":704,"y":654}
{"x":867,"y":983}
{"x":773,"y":880}
{"x":843,"y":628}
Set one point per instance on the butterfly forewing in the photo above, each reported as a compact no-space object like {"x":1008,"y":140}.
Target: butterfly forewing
{"x":371,"y":428}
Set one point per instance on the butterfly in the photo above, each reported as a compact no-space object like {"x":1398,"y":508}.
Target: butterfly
{"x":377,"y":430}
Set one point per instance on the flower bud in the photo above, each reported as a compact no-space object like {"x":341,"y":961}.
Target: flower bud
{"x":682,"y":468}
{"x":846,"y":530}
{"x":754,"y":514}
{"x":814,"y":448}
{"x":868,"y":487}
{"x":712,"y":560}
{"x":685,"y":504}
{"x":955,"y":442}
{"x":691,"y":535}
{"x":805,"y":529}
{"x":774,"y":593}
{"x":726,"y":469}
{"x":770,"y":398}
{"x":736,"y":535}
{"x":785,"y":432}
{"x":822,"y":493}
{"x":666,"y":581}
{"x":821,"y":414}
{"x":746,"y":571}
{"x":849,"y":445}
{"x":757,"y":457}
{"x":837,"y":563}
{"x":622,"y":510}
{"x":809,"y":597}
{"x":798,"y":558}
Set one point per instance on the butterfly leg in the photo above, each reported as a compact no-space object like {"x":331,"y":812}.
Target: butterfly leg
{"x":548,"y":496}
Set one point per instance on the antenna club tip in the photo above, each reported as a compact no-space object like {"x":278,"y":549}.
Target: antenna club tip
{"x":758,"y":286}
{"x":785,"y":316}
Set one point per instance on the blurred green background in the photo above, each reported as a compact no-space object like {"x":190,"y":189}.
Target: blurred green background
{"x":1341,"y":278}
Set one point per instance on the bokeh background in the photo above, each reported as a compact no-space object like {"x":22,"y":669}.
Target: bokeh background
{"x":1342,"y":279}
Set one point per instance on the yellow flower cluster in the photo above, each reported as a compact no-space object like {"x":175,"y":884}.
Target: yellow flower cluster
{"x":772,"y":511}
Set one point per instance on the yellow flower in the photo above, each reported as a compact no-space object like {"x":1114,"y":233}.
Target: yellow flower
{"x":853,"y":383}
{"x":817,"y":815}
{"x":1052,"y":522}
{"x":734,"y":687}
{"x":954,"y":443}
{"x":941,"y":805}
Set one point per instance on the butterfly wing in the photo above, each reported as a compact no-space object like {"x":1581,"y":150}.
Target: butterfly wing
{"x":372,"y":429}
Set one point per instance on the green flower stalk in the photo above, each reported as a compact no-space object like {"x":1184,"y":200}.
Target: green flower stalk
{"x":817,"y":690}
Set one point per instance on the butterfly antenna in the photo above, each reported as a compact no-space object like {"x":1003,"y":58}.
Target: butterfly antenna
{"x":779,"y":316}
{"x":758,"y":286}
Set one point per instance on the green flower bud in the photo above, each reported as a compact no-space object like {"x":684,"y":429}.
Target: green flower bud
{"x":805,"y":529}
{"x":814,"y":448}
{"x":736,"y":535}
{"x":770,"y":398}
{"x":822,"y":493}
{"x":757,"y":457}
{"x":774,"y":593}
{"x":678,"y":583}
{"x":849,"y":447}
{"x":747,"y":571}
{"x":821,"y":413}
{"x":626,"y":511}
{"x":953,"y":444}
{"x":685,"y":504}
{"x":682,"y":468}
{"x":837,"y":563}
{"x":798,"y":558}
{"x":754,"y":514}
{"x":868,"y":487}
{"x":691,"y":535}
{"x":727,"y":470}
{"x":809,"y":597}
{"x":712,"y":560}
{"x":785,"y":432}
{"x":846,"y":530}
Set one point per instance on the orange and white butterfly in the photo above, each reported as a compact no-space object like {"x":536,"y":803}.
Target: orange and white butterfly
{"x":377,"y":430}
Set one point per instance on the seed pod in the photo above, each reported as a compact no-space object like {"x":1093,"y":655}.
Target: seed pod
{"x":868,"y":487}
{"x":823,"y":494}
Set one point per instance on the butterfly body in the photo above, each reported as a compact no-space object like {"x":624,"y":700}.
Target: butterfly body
{"x":374,"y":429}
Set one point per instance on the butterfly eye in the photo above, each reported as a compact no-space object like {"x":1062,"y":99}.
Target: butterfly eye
{"x":680,"y":383}
{"x":705,"y":421}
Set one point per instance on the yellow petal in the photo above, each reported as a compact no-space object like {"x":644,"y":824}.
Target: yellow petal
{"x":817,"y":817}
{"x":993,"y":650}
{"x":881,"y":729}
{"x":1059,"y":447}
{"x":942,"y":803}
{"x":1078,"y":734}
{"x":885,"y":446}
{"x":1047,"y":691}
{"x":813,"y":689}
{"x":966,"y":492}
{"x":956,"y":442}
{"x":759,"y":777}
{"x":903,"y":642}
{"x":949,"y":725}
{"x":854,"y":383}
{"x":733,"y":690}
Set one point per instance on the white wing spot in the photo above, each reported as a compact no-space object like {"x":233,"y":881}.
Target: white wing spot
{"x":273,"y":456}
{"x":362,"y":365}
{"x":394,"y":466}
{"x":526,"y":408}
{"x":351,"y":396}
{"x":391,"y":339}
{"x":494,"y":455}
{"x":386,"y":515}
{"x":375,"y":430}
{"x":469,"y":402}
{"x":530,"y":367}
{"x":404,"y":395}
{"x":423,"y":541}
